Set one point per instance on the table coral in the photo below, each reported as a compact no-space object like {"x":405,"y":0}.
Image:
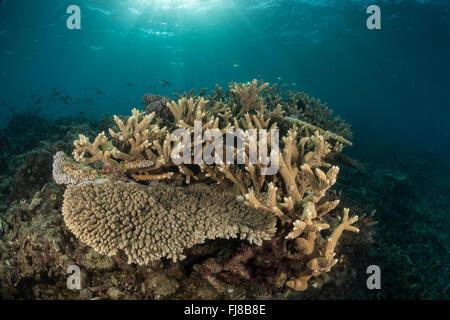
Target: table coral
{"x":147,"y":224}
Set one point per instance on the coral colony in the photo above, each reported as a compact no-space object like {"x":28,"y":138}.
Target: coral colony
{"x":154,"y":186}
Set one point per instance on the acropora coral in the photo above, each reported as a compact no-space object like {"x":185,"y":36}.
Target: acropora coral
{"x":148,"y":223}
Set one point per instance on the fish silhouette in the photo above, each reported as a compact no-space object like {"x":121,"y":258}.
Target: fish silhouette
{"x":97,"y":91}
{"x":164,"y":83}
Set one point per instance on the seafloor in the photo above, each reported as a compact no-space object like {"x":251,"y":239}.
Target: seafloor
{"x":408,"y":188}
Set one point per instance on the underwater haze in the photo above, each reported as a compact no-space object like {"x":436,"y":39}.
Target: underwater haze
{"x":391,"y":85}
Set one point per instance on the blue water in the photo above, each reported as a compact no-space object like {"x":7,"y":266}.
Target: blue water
{"x":391,"y":84}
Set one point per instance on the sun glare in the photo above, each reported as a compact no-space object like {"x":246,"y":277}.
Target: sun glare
{"x":167,"y":3}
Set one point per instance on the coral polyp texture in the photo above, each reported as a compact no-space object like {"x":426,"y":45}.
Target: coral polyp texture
{"x":157,"y":104}
{"x":128,"y":210}
{"x":148,"y":224}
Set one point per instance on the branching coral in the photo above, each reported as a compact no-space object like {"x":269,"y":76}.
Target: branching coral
{"x":132,"y":148}
{"x":320,"y":262}
{"x":249,"y":95}
{"x":313,"y":111}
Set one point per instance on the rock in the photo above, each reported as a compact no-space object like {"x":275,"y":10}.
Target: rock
{"x":93,"y":260}
{"x":160,"y":285}
{"x":114,"y":293}
{"x":85,"y":294}
{"x":206,"y":293}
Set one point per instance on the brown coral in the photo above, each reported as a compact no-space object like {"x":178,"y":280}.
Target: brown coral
{"x":158,"y":104}
{"x":147,"y":224}
{"x":249,"y":95}
{"x":315,"y":112}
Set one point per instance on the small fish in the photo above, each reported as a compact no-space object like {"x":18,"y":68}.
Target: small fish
{"x":235,"y":65}
{"x":56,"y":92}
{"x":294,"y":84}
{"x":179,"y":91}
{"x":130,"y":84}
{"x":279,"y":78}
{"x":97,"y":91}
{"x":96,"y":48}
{"x":259,"y":75}
{"x":38,"y":100}
{"x":164,"y":83}
{"x":36,"y":110}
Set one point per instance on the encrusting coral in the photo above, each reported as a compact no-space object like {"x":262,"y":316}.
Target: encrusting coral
{"x":117,"y":215}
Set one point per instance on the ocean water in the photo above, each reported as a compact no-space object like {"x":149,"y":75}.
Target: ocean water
{"x":392,"y":84}
{"x":389,"y":84}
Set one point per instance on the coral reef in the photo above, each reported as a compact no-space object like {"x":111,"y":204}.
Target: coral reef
{"x":36,"y":248}
{"x":143,"y":151}
{"x":411,"y":247}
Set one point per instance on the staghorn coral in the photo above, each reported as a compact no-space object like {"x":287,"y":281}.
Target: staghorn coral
{"x":320,"y":262}
{"x":147,"y":224}
{"x":303,"y":188}
{"x":293,"y":104}
{"x":131,"y":153}
{"x":248,"y":94}
{"x":142,"y":149}
{"x":295,"y":195}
